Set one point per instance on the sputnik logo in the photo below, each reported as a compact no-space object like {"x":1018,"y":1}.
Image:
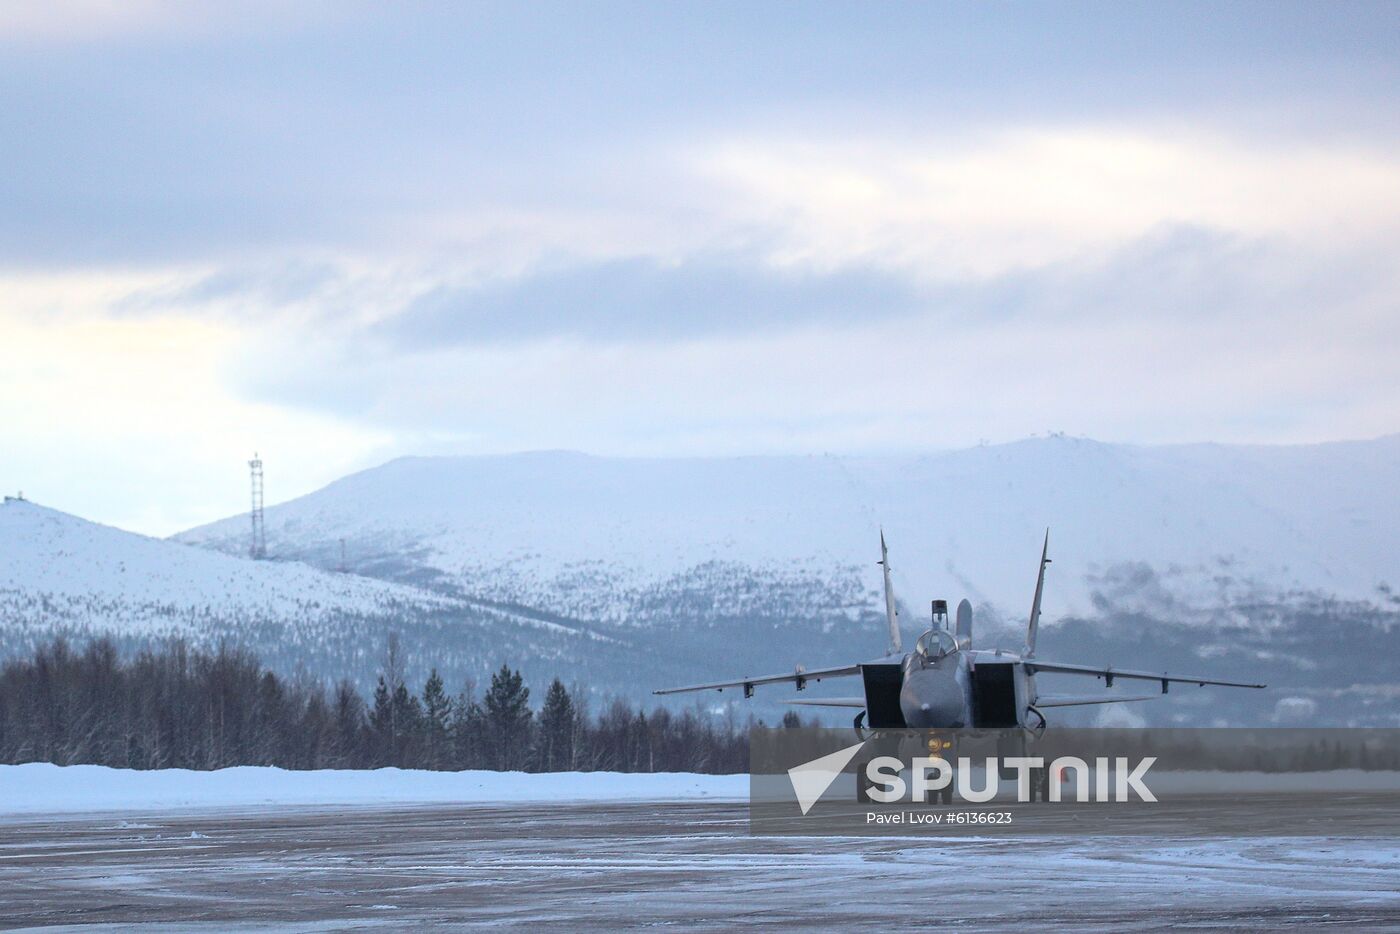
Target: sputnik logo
{"x":810,"y":780}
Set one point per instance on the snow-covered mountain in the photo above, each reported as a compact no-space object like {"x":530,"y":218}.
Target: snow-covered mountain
{"x":629,"y":574}
{"x":61,"y":571}
{"x":620,"y":540}
{"x":69,"y":559}
{"x":62,"y":575}
{"x":65,"y":576}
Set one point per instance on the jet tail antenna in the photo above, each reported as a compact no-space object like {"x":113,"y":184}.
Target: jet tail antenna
{"x":896,"y":642}
{"x":1034,"y":623}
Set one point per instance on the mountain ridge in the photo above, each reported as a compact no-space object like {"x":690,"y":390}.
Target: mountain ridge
{"x":561,"y":529}
{"x":626,"y":575}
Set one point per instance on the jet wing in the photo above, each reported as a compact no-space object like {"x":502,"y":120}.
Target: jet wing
{"x":1035,"y":665}
{"x":827,"y":702}
{"x":798,"y":676}
{"x":1079,"y":700}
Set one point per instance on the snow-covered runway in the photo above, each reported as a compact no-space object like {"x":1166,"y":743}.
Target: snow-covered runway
{"x":693,"y":863}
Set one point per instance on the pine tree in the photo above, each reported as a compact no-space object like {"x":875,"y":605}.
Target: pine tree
{"x":177,"y":707}
{"x":383,"y":731}
{"x":556,"y":732}
{"x":408,"y":724}
{"x":639,"y":745}
{"x":508,"y":719}
{"x":469,"y":733}
{"x":437,"y":712}
{"x":349,"y":727}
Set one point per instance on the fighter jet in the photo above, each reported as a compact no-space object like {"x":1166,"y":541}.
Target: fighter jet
{"x":946,"y":684}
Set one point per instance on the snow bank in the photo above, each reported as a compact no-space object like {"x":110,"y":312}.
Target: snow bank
{"x":41,"y":788}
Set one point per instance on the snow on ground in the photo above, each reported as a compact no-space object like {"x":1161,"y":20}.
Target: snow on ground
{"x":100,"y":575}
{"x":959,"y":522}
{"x":42,"y":788}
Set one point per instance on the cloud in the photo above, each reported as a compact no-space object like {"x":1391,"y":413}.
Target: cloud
{"x":103,"y":21}
{"x":642,"y":299}
{"x":643,"y":229}
{"x":244,"y":291}
{"x":953,"y":206}
{"x":129,"y":421}
{"x":194,"y":131}
{"x":1119,"y":716}
{"x":1295,"y":710}
{"x":648,"y":339}
{"x":1211,"y":339}
{"x":82,"y":19}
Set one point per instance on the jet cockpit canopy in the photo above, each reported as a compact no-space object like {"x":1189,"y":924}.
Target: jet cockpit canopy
{"x":936,"y":643}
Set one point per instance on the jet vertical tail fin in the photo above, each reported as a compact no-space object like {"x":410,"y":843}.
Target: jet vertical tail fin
{"x":896,"y":642}
{"x":1034,"y":623}
{"x":964,"y":625}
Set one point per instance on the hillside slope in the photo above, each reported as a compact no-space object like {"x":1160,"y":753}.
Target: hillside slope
{"x":606,"y":538}
{"x":64,"y":576}
{"x":136,"y":585}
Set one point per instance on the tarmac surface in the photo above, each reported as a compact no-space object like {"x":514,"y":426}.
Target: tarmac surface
{"x":592,"y":866}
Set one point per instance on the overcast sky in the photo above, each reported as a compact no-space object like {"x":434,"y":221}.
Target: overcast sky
{"x":340,"y":233}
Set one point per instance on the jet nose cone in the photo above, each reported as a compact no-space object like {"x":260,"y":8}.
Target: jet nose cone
{"x":932,"y":699}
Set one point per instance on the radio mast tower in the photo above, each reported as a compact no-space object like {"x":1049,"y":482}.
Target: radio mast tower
{"x":258,"y":548}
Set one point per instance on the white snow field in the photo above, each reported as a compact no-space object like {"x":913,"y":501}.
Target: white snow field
{"x":570,"y":537}
{"x":584,"y":535}
{"x":60,"y":570}
{"x":42,"y":788}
